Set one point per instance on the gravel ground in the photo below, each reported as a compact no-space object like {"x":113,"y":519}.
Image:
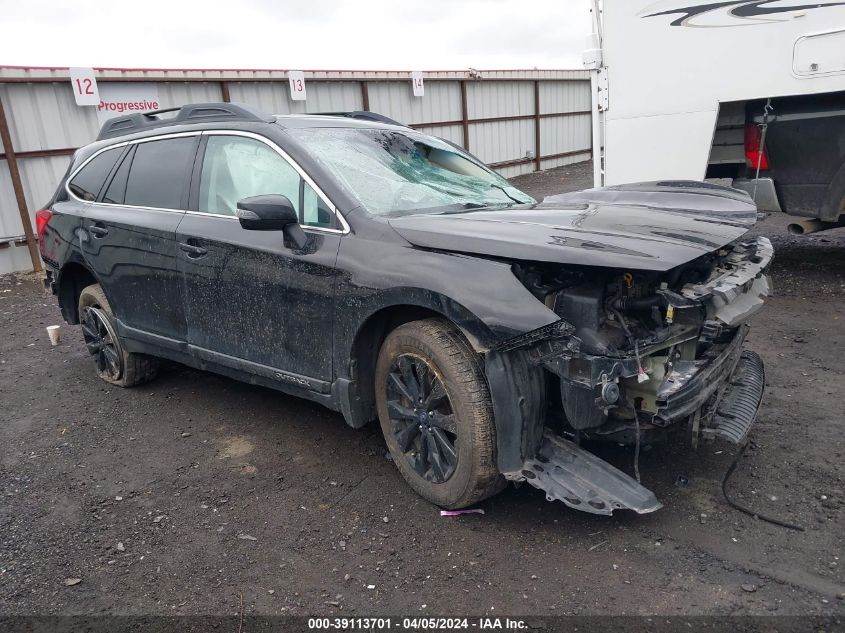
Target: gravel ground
{"x":180,"y":496}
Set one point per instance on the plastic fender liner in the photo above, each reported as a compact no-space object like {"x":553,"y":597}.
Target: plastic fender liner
{"x":518,"y":393}
{"x":568,"y":473}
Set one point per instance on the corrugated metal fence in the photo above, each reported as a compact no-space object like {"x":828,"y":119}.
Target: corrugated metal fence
{"x":516,"y":121}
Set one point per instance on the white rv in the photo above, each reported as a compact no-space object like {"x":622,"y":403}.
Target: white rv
{"x":752,"y":90}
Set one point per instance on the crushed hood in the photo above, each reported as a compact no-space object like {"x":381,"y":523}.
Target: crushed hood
{"x":644,"y":226}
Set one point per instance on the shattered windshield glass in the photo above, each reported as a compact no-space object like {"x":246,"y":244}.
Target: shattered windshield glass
{"x":396,"y":172}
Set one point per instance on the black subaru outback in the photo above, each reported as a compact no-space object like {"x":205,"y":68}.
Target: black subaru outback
{"x":388,"y":274}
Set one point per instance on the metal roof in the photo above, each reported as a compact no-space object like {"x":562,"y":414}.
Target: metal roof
{"x":59,"y":73}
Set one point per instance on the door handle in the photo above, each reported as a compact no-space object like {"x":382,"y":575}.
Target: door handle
{"x":98,"y":230}
{"x":193,"y":252}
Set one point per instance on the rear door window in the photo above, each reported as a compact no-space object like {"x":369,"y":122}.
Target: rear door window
{"x":160,"y":172}
{"x":90,"y":179}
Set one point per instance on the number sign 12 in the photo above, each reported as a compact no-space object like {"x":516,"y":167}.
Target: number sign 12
{"x":296,"y":78}
{"x":84,"y":85}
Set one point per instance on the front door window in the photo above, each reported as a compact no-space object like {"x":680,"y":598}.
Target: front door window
{"x":236,"y":167}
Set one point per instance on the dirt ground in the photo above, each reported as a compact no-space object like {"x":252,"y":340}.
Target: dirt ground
{"x":179,"y":496}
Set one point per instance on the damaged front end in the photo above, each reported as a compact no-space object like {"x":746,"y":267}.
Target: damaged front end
{"x":634,"y":354}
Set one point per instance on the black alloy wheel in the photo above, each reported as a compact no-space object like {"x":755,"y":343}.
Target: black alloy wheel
{"x":422,"y":418}
{"x":102,"y":343}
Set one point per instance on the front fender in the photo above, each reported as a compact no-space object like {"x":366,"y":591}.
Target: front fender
{"x":481,"y":296}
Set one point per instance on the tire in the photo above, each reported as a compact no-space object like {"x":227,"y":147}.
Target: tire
{"x":424,"y":458}
{"x":112,"y":362}
{"x":833,"y":205}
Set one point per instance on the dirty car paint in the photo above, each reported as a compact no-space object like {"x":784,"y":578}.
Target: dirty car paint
{"x":609,"y":305}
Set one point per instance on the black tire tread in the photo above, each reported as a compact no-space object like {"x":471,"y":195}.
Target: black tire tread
{"x":471,"y":386}
{"x":137,"y":368}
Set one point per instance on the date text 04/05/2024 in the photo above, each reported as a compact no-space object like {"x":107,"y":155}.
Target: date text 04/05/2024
{"x":416,"y":623}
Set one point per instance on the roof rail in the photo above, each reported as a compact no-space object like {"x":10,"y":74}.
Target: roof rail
{"x":191,"y":113}
{"x":364,"y":115}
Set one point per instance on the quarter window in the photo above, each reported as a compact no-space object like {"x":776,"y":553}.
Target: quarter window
{"x":88,"y":182}
{"x":116,"y":191}
{"x":159,"y":173}
{"x":315,"y":212}
{"x":235,"y":168}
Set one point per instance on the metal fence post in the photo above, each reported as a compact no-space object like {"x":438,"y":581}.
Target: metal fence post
{"x":464,"y":116}
{"x":538,"y":161}
{"x":17,"y":185}
{"x":365,"y":96}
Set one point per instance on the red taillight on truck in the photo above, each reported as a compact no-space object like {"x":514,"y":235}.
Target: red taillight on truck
{"x":42,"y":217}
{"x":753,"y":156}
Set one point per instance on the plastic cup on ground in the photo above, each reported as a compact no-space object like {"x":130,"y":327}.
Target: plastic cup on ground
{"x":54,"y":332}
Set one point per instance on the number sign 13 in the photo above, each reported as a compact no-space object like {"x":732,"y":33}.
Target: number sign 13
{"x":84,"y":85}
{"x":296,"y":79}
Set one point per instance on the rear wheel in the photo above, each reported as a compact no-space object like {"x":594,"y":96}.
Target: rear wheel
{"x":435,"y":412}
{"x":112,"y":363}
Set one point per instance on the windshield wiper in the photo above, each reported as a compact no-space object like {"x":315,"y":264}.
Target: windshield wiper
{"x":504,"y":191}
{"x":459,"y":207}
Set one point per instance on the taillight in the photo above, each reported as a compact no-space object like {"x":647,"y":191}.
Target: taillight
{"x":753,"y":156}
{"x":42,"y":217}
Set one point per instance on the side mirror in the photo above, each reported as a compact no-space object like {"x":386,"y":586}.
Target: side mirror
{"x":271,"y":213}
{"x":266,"y":213}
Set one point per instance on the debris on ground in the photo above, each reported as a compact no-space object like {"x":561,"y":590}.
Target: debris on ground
{"x":457,"y":513}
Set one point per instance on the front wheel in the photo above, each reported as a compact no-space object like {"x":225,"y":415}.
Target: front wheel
{"x":113,"y":364}
{"x":435,"y":412}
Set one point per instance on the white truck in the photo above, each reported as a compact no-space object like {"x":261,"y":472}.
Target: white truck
{"x":752,"y":90}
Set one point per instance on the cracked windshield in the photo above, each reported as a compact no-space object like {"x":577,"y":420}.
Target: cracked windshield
{"x":395,"y":173}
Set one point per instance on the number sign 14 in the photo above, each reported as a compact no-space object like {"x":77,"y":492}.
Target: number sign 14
{"x":296,"y":79}
{"x":417,"y":83}
{"x":84,"y":85}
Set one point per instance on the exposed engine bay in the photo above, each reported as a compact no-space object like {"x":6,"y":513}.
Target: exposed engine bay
{"x":635,"y":354}
{"x":638,"y":338}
